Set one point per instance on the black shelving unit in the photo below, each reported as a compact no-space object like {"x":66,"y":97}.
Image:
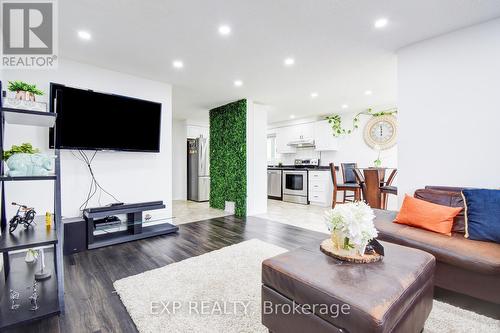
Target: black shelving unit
{"x":19,"y":275}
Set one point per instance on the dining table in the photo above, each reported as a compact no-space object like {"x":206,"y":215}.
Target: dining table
{"x":374,"y":178}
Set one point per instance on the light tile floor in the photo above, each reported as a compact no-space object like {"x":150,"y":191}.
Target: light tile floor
{"x":303,"y":216}
{"x":185,"y":211}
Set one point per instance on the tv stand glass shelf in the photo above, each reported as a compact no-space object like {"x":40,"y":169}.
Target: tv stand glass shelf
{"x":124,"y":225}
{"x":132,"y":227}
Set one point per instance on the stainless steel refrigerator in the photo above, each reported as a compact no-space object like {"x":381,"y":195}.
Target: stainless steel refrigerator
{"x":198,"y":164}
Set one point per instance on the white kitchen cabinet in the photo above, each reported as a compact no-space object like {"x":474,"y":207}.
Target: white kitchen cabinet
{"x":320,"y":188}
{"x":323,"y":137}
{"x":283,"y":136}
{"x":303,"y":131}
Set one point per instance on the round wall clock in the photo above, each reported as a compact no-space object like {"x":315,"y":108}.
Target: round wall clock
{"x":381,"y":132}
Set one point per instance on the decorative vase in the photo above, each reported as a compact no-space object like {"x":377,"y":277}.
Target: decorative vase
{"x":338,"y":239}
{"x":21,"y":95}
{"x":25,"y":96}
{"x":25,"y":164}
{"x":341,"y":243}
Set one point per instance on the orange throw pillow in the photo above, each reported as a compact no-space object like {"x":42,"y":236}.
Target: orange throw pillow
{"x":422,"y":214}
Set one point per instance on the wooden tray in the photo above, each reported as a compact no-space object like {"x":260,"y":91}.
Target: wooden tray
{"x":327,"y":248}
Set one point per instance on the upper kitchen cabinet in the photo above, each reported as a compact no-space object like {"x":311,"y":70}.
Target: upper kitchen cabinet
{"x":284,"y":135}
{"x":323,"y":137}
{"x":303,"y":131}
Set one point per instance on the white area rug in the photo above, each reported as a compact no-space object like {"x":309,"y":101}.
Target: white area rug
{"x":220,"y":292}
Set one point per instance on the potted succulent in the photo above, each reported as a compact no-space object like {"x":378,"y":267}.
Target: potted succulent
{"x":24,"y":160}
{"x":26,"y":148}
{"x":351,"y":226}
{"x":24,"y":91}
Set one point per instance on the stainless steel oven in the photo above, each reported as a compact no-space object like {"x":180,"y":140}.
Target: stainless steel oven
{"x":295,"y":186}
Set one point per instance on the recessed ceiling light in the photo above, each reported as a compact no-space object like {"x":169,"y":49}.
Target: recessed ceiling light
{"x":289,"y":61}
{"x":84,"y":35}
{"x":314,"y":95}
{"x":368,"y":92}
{"x":380,"y":23}
{"x":292,"y":116}
{"x":345,"y":106}
{"x":224,"y":30}
{"x":238,"y":83}
{"x":177,"y":64}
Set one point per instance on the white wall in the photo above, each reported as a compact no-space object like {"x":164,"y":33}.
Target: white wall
{"x":196,"y":130}
{"x":131,"y":177}
{"x":449,"y":110}
{"x":256,"y":158}
{"x":179,"y":159}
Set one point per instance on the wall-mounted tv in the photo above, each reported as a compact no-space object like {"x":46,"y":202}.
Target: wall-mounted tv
{"x":90,"y":120}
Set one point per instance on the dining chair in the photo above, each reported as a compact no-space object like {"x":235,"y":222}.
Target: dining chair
{"x":361,"y":181}
{"x":354,"y":187}
{"x":387,"y":188}
{"x":349,"y":178}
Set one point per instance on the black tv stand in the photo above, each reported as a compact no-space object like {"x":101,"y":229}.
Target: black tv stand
{"x":130,"y":229}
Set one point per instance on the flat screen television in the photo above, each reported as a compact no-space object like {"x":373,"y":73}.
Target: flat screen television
{"x":90,"y":120}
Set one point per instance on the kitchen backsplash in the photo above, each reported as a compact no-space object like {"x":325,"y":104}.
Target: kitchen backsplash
{"x":287,"y":159}
{"x":364,"y":157}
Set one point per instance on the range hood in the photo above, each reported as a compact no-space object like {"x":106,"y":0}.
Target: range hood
{"x":302,"y":143}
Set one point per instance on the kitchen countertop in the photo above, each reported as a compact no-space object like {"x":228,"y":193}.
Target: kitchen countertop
{"x":292,"y":167}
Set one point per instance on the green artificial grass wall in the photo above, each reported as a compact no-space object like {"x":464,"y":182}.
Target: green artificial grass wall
{"x":228,"y":156}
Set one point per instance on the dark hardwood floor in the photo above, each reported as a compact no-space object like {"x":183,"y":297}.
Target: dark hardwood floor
{"x":92,"y":306}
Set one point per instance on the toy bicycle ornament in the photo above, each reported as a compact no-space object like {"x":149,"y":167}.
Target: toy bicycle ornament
{"x":24,"y":216}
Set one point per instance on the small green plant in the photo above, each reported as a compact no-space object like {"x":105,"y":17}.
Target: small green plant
{"x":26,"y":148}
{"x":336,"y":120}
{"x":23,"y":86}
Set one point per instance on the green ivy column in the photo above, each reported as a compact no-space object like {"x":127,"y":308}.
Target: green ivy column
{"x":228,"y":157}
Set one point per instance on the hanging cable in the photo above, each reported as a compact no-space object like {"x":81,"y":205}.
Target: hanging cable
{"x":94,"y":184}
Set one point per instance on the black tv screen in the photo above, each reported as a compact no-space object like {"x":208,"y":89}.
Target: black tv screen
{"x":91,"y":120}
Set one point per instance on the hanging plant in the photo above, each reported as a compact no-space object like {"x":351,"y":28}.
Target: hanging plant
{"x":335,"y":120}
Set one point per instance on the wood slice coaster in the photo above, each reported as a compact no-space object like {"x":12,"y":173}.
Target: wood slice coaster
{"x":328,"y":249}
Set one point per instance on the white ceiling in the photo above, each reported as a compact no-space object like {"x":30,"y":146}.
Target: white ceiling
{"x":338,"y":53}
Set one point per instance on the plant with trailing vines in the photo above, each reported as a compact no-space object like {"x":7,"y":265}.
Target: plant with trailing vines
{"x":335,"y":120}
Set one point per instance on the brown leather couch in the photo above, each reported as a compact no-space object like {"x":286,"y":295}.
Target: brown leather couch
{"x":465,"y":266}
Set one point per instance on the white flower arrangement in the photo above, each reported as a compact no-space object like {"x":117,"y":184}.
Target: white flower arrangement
{"x":354,"y":221}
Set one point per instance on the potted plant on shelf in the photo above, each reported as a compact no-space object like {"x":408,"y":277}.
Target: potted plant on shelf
{"x":351,"y":226}
{"x":24,"y":160}
{"x":26,"y":148}
{"x":25,"y":96}
{"x":24,"y":91}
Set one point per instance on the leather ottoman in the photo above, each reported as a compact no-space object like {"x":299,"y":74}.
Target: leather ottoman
{"x":306,"y":291}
